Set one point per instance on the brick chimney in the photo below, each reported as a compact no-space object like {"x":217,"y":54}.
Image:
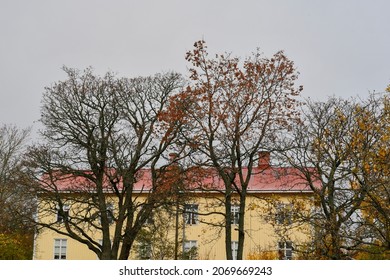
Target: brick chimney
{"x":173,"y":157}
{"x":264,"y":159}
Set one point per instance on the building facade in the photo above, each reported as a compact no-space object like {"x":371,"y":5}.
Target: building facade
{"x":193,"y":228}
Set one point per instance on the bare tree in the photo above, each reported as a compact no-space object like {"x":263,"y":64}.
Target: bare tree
{"x":324,"y":150}
{"x":103,"y":135}
{"x":16,"y":200}
{"x":12,"y":196}
{"x":238,"y":109}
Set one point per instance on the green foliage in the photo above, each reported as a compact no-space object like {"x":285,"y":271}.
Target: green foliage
{"x":15,"y":246}
{"x":190,"y":254}
{"x":154,"y":240}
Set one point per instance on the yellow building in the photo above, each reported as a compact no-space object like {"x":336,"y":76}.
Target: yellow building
{"x":194,"y":228}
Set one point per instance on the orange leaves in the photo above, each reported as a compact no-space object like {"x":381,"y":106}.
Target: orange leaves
{"x":197,"y":54}
{"x":193,"y":74}
{"x":169,"y":179}
{"x":225,"y":84}
{"x":179,"y":104}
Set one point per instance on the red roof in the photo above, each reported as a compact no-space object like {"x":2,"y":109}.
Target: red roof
{"x":271,"y":179}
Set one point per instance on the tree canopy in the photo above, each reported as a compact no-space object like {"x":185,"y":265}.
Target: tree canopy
{"x":231,"y":113}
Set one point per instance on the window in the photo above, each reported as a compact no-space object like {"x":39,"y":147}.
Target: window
{"x":60,"y":249}
{"x":110,"y":213}
{"x":285,"y":250}
{"x":150,"y":219}
{"x":144,"y":251}
{"x":283,"y":214}
{"x":190,"y":250}
{"x":235,"y":214}
{"x":62,"y":214}
{"x":234,"y":249}
{"x":191,"y":214}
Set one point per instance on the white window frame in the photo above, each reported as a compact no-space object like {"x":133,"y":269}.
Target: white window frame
{"x":235,"y":214}
{"x":285,"y":250}
{"x":191,"y":214}
{"x":284,"y":214}
{"x":65,"y":209}
{"x":234,"y":249}
{"x":60,"y":248}
{"x":188,"y":245}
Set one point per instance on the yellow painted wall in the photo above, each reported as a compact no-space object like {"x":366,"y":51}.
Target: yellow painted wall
{"x":260,"y":234}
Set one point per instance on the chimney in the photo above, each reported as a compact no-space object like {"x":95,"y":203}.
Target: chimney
{"x":172,"y":157}
{"x":264,"y":159}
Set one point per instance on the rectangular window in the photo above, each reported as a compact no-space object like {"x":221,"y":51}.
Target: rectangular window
{"x":144,"y":251}
{"x":150,"y":219}
{"x":190,"y":250}
{"x":285,"y":250}
{"x":235,"y":214}
{"x":234,"y":249}
{"x":62,"y":214}
{"x":283,"y":214}
{"x":60,"y":249}
{"x":191,"y":214}
{"x":110,"y":213}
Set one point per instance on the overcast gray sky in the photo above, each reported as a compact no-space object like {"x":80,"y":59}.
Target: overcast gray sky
{"x":340,"y":47}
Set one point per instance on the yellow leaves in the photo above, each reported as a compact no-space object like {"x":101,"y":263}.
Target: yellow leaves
{"x":386,"y":137}
{"x":340,"y":115}
{"x":362,"y":125}
{"x":263,"y":255}
{"x":383,"y":153}
{"x":370,"y":167}
{"x":253,"y":206}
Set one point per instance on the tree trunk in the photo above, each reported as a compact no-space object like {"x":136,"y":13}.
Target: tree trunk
{"x":241,"y":227}
{"x":228,"y":225}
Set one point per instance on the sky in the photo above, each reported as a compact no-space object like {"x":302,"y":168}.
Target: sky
{"x":340,"y":48}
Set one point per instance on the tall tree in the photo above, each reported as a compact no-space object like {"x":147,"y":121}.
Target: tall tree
{"x":330,"y":149}
{"x":238,"y":109}
{"x":101,"y":134}
{"x":16,"y":201}
{"x":372,"y":176}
